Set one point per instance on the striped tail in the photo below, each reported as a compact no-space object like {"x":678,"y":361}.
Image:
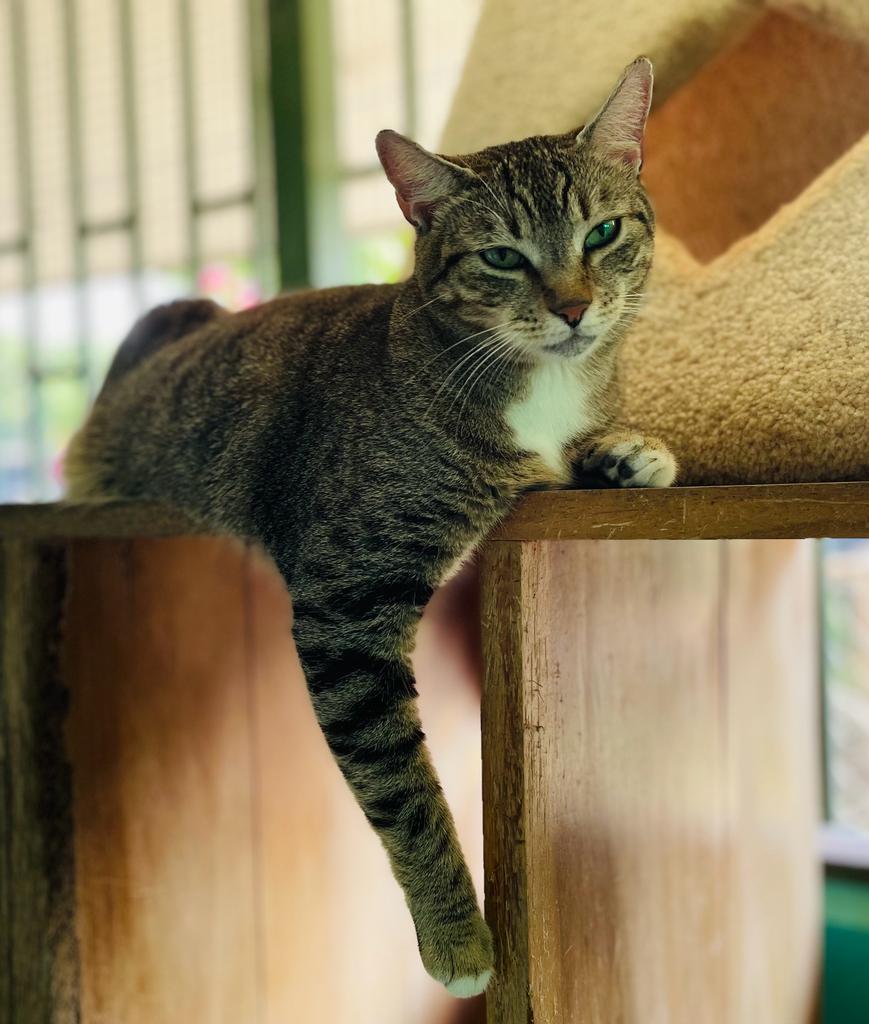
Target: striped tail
{"x":162,"y":326}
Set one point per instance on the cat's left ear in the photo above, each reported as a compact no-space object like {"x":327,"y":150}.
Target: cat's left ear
{"x":616,"y":131}
{"x":420,"y":179}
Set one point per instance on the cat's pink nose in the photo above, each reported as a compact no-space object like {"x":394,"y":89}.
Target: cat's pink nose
{"x":572,"y":313}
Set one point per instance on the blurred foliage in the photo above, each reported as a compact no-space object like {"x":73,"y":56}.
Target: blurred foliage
{"x":845,"y":610}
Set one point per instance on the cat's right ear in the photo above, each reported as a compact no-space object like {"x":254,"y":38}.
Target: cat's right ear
{"x":616,"y":131}
{"x":420,"y":179}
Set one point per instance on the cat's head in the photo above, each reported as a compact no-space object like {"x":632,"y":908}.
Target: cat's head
{"x":543,"y":244}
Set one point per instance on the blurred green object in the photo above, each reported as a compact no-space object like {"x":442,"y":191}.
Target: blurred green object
{"x":846,"y":957}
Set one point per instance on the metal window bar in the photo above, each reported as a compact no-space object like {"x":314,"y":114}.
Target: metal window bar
{"x":408,"y":65}
{"x":263,"y":198}
{"x":18,"y":42}
{"x":13,"y":246}
{"x":188,"y":121}
{"x":131,"y":151}
{"x":76,"y":180}
{"x":288,"y":102}
{"x":259,"y":197}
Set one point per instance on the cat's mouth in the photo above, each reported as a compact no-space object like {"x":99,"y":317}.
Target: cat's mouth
{"x":575,"y":343}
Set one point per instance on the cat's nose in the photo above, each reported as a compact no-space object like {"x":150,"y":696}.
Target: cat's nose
{"x":572,"y":313}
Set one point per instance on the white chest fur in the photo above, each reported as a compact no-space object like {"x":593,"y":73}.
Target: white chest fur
{"x":559,"y":405}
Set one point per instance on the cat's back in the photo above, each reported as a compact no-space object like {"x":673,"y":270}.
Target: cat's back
{"x":193,"y":392}
{"x":320,"y":314}
{"x":197,"y":344}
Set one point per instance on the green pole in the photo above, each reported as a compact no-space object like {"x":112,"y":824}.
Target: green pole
{"x":287,"y":107}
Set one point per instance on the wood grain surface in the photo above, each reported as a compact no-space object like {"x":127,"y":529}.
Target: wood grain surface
{"x":505,"y":771}
{"x":38,"y":955}
{"x":63,"y":520}
{"x":677,"y":513}
{"x":651,"y":797}
{"x":224,"y":871}
{"x":650,"y":771}
{"x":689,"y":513}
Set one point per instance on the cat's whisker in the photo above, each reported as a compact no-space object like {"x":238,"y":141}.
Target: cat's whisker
{"x":498,"y":200}
{"x":479,"y":370}
{"x":467,"y":364}
{"x":443,"y":351}
{"x":412,"y":312}
{"x":463,"y":360}
{"x":495,"y":356}
{"x":491,"y":335}
{"x":521,"y":351}
{"x":484,"y":340}
{"x":483,"y":206}
{"x":481,"y":347}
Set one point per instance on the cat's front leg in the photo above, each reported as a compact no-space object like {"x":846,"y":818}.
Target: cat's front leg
{"x":353,"y":634}
{"x":629,"y":459}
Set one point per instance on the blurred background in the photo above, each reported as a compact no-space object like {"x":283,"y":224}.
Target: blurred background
{"x":157,"y":148}
{"x":146,"y":154}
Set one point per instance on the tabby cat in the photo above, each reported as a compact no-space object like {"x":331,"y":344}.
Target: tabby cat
{"x":369,"y":437}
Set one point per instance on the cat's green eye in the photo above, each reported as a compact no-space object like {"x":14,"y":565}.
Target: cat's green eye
{"x":603,"y":234}
{"x":503,"y":258}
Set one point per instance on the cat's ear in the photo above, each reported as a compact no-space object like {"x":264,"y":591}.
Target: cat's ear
{"x":420,"y":179}
{"x":616,"y":131}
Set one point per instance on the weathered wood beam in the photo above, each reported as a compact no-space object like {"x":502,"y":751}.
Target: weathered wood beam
{"x":38,"y":957}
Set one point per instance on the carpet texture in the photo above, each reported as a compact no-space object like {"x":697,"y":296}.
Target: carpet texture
{"x":751,"y":355}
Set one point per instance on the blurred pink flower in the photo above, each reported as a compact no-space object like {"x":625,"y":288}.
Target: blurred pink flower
{"x":213,"y":277}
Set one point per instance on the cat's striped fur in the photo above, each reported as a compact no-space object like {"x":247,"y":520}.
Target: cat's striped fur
{"x":369,"y":437}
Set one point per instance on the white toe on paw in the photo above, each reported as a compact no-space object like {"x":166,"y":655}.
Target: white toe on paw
{"x":472,"y":985}
{"x":632,"y":462}
{"x":460,"y":956}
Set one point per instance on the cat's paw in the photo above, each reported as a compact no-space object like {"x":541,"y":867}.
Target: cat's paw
{"x":631,"y":460}
{"x":460,"y":956}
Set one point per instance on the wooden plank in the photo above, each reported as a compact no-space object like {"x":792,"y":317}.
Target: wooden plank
{"x":774,"y":876}
{"x":667,"y":774}
{"x":60,"y":520}
{"x":38,"y":954}
{"x":679,"y":513}
{"x":504,"y":778}
{"x":160,"y":743}
{"x":690,"y":513}
{"x":225,"y":872}
{"x":6,"y":814}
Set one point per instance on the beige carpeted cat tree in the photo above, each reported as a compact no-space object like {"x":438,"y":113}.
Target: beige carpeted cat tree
{"x":751,"y":357}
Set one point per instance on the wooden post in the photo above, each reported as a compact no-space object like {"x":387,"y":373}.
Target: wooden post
{"x":650,"y":771}
{"x":650,"y":767}
{"x":38,"y":957}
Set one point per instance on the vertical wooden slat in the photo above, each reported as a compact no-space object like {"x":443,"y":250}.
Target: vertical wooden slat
{"x":160,"y":743}
{"x":38,"y":955}
{"x":650,"y":777}
{"x":772,"y":706}
{"x":225,"y":872}
{"x":504,"y":771}
{"x":6,"y":988}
